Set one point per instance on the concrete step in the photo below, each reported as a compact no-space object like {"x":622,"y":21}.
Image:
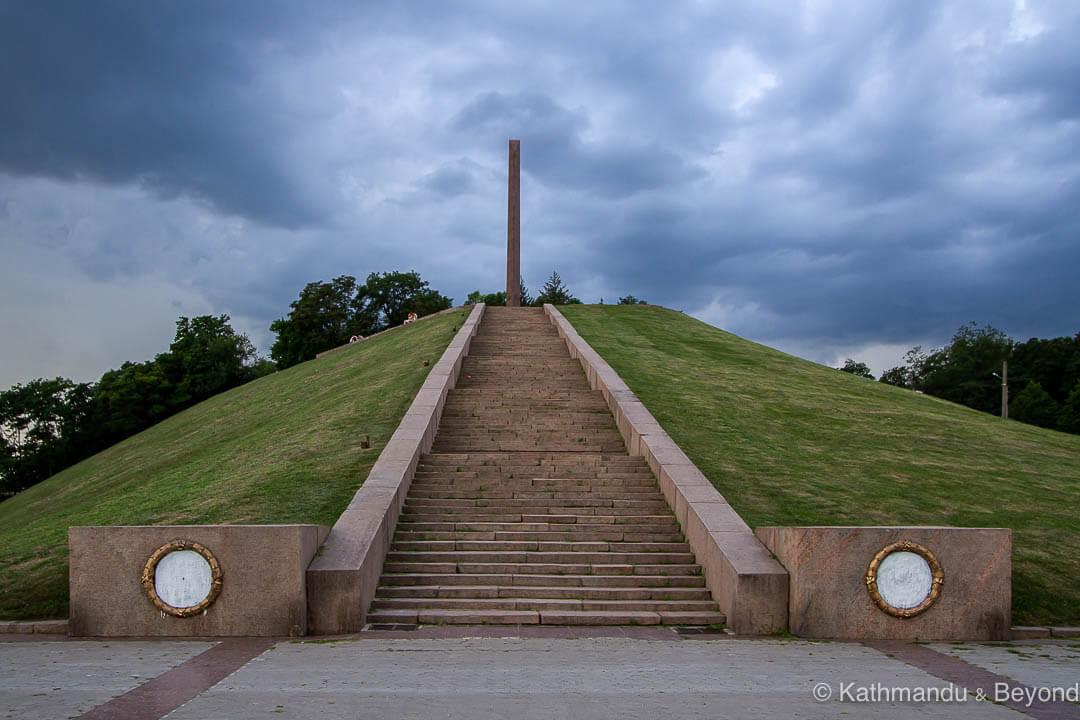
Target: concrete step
{"x":526,"y":556}
{"x":538,"y":568}
{"x":535,"y":458}
{"x":567,"y":496}
{"x":580,"y":505}
{"x":614,"y":534}
{"x":614,"y":476}
{"x":525,"y":481}
{"x":528,"y":508}
{"x":620,"y":529}
{"x":540,"y":580}
{"x":481,"y":521}
{"x":455,"y":617}
{"x":689,"y":594}
{"x":534,"y":546}
{"x":525,"y":446}
{"x":533,"y":603}
{"x":615,"y":617}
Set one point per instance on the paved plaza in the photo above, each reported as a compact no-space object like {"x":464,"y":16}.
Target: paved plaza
{"x":487,"y":672}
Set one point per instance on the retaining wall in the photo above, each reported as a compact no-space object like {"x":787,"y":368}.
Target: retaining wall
{"x":262,"y":580}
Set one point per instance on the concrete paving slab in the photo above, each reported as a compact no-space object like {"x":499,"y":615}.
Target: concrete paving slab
{"x":51,"y":680}
{"x":1043,"y":664}
{"x":530,"y":672}
{"x":583,"y":678}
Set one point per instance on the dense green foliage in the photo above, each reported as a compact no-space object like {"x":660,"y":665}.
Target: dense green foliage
{"x":790,"y":442}
{"x":324,"y":316}
{"x":1042,"y":375}
{"x":42,"y":430}
{"x":286,"y":448}
{"x":555,"y":292}
{"x":499,"y":298}
{"x":1035,"y":406}
{"x":492,"y":299}
{"x":857,"y":368}
{"x":327,"y":315}
{"x":46,"y":425}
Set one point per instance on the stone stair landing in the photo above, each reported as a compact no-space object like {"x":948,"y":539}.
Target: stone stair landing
{"x":529,"y":510}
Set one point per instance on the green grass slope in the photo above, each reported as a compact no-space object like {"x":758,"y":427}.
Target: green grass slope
{"x":790,"y":442}
{"x":282,"y":449}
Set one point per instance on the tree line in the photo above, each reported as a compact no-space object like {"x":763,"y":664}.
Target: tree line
{"x":967,"y":371}
{"x":554,"y":291}
{"x":48,"y":425}
{"x":329,"y":314}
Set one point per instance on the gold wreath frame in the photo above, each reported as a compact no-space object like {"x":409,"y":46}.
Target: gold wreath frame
{"x":935,"y":586}
{"x":150,"y":569}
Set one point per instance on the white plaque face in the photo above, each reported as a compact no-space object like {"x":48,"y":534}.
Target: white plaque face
{"x":182,"y":578}
{"x":904,"y":579}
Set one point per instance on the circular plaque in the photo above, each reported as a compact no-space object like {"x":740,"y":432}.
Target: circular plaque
{"x":182,"y":578}
{"x":904,"y":579}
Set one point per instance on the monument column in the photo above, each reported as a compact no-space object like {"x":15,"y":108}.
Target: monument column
{"x":513,"y":228}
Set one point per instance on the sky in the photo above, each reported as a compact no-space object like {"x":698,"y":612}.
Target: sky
{"x":834,"y":179}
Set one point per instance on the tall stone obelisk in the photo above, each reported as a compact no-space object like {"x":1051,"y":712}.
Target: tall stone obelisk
{"x":513,"y":228}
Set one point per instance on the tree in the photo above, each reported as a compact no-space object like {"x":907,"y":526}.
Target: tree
{"x":898,"y":376}
{"x":857,"y":368}
{"x":631,"y":300}
{"x":1054,"y":364}
{"x":526,"y":299}
{"x":1069,"y":417}
{"x":47,"y":425}
{"x":324,"y":316}
{"x":42,"y":425}
{"x":206,"y":357}
{"x":909,"y":375}
{"x":386,"y":300}
{"x":499,"y":298}
{"x":496,"y":298}
{"x":555,"y":292}
{"x":963,"y":371}
{"x":1035,"y":406}
{"x":132,"y":398}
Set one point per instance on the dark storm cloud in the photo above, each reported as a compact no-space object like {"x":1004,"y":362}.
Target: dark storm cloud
{"x":832,"y":175}
{"x":452,"y":179}
{"x":168,"y":95}
{"x":558,"y":157}
{"x":1045,"y":71}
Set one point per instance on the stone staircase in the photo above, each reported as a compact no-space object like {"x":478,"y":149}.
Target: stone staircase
{"x":529,"y":509}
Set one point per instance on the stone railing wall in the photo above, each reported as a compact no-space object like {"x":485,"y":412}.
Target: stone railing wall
{"x":342,"y":578}
{"x":746,"y":581}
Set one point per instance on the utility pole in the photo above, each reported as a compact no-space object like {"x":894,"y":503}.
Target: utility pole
{"x":1004,"y":389}
{"x":513,"y":227}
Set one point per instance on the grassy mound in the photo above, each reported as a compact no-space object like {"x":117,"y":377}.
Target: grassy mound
{"x":282,"y":449}
{"x":790,"y":442}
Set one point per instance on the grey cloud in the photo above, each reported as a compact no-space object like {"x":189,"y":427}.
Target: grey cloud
{"x":452,"y":179}
{"x":911,"y":166}
{"x":163,"y":95}
{"x":557,"y":156}
{"x":1044,"y":69}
